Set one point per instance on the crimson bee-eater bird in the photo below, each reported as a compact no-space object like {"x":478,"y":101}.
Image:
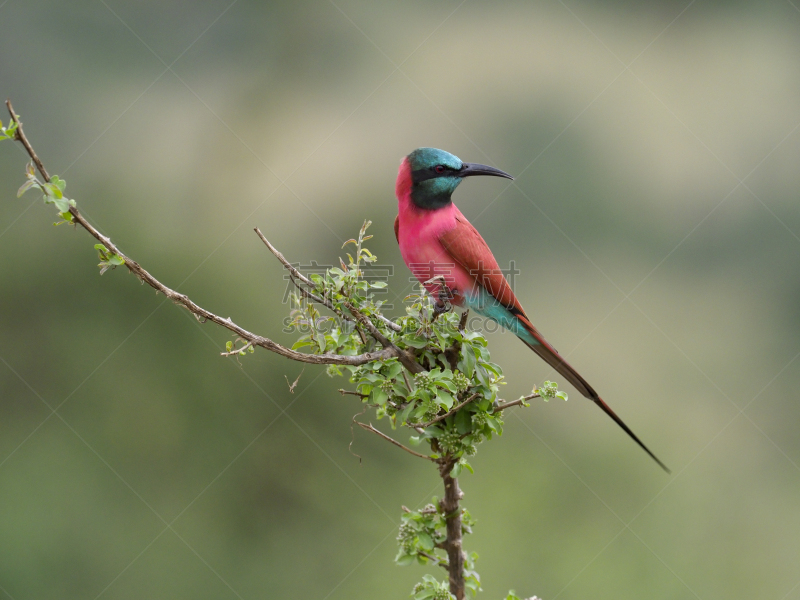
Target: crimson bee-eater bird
{"x":437,"y":241}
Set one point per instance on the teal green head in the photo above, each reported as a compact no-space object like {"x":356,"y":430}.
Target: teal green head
{"x":435,"y":175}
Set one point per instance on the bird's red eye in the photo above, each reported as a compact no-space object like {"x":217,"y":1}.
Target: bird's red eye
{"x":439,"y":168}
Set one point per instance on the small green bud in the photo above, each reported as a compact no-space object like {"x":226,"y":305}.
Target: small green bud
{"x":424,"y":381}
{"x":548,"y":390}
{"x":462,"y":381}
{"x":479,"y":419}
{"x":450,"y":442}
{"x":442,"y":593}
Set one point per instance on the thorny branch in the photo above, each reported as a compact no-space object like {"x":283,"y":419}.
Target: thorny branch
{"x":200,"y":313}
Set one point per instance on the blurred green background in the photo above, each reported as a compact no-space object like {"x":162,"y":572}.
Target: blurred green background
{"x":654,"y":219}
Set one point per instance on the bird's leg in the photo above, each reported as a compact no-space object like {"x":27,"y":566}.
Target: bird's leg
{"x":442,"y":304}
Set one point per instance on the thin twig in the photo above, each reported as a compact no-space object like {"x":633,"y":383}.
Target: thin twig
{"x":499,"y":405}
{"x":349,"y":393}
{"x":435,"y":560}
{"x":314,"y":298}
{"x":293,"y":270}
{"x":452,"y":411}
{"x":407,"y":361}
{"x":408,"y":383}
{"x":369,"y":427}
{"x":296,"y":381}
{"x":424,"y":511}
{"x":20,"y":136}
{"x":237,"y":350}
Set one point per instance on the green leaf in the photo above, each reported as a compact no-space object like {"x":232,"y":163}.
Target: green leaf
{"x":562,"y":395}
{"x":406,"y":412}
{"x":393,"y":370}
{"x":456,"y":470}
{"x":405,"y":559}
{"x":379,"y":397}
{"x":303,"y":341}
{"x":61,"y":204}
{"x":53,"y":191}
{"x":415,"y":341}
{"x":425,"y":541}
{"x":463,"y":421}
{"x":468,"y":360}
{"x":378,"y":285}
{"x":26,"y":186}
{"x":58,"y":182}
{"x":444,"y":398}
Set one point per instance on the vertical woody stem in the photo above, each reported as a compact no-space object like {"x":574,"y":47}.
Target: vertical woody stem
{"x":452,"y":510}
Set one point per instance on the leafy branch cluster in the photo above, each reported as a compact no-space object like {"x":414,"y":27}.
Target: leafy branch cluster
{"x":53,"y":191}
{"x":422,"y":538}
{"x":8,"y":133}
{"x":423,"y":371}
{"x":451,"y":404}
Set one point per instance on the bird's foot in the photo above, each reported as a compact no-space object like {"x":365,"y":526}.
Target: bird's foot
{"x":442,"y":304}
{"x":441,"y":307}
{"x":438,"y":279}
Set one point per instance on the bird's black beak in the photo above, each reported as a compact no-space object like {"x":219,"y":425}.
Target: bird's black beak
{"x":470,"y":169}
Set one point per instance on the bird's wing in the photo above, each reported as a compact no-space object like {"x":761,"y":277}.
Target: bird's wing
{"x":467,"y":248}
{"x":397,"y":228}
